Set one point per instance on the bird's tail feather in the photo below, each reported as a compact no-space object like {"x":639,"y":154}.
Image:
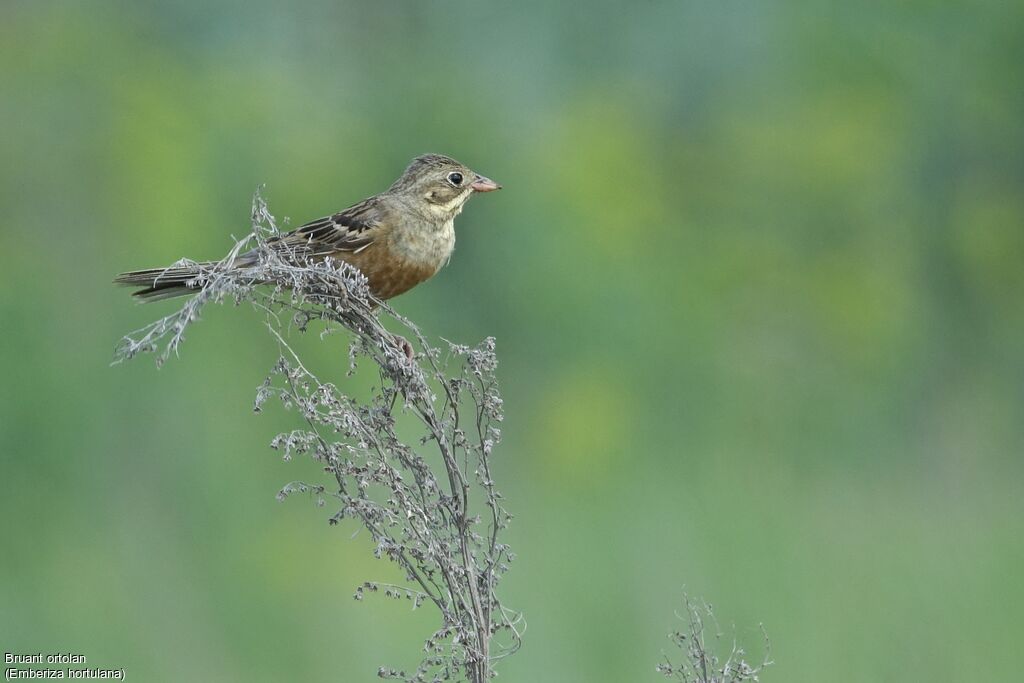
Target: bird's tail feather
{"x":163,"y":283}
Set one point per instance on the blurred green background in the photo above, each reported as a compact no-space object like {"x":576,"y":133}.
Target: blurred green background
{"x":756,"y":278}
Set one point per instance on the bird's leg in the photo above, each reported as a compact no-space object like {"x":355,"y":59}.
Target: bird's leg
{"x":403,"y":343}
{"x":399,"y":341}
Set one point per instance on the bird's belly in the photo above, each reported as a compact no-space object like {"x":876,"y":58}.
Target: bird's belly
{"x":398,"y":279}
{"x":388,"y":274}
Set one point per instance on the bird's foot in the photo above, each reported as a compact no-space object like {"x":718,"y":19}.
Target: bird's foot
{"x":403,"y":343}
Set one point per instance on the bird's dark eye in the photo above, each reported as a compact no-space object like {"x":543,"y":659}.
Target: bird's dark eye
{"x":455,"y":178}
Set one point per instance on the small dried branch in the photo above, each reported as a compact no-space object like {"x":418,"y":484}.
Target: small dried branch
{"x":701,"y":662}
{"x":441,"y":525}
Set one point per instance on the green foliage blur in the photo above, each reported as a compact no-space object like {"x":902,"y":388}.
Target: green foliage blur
{"x":756,"y":278}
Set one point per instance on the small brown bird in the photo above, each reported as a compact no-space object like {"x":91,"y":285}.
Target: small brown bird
{"x":398,"y":238}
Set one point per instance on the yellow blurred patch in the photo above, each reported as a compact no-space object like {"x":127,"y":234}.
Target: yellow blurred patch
{"x":843,"y":139}
{"x":987,"y":222}
{"x":606,"y":175}
{"x":585,"y":419}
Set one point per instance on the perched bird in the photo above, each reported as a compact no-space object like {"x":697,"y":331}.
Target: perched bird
{"x":398,"y":238}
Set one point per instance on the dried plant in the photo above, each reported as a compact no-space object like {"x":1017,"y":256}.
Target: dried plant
{"x":440,"y":524}
{"x":701,"y":662}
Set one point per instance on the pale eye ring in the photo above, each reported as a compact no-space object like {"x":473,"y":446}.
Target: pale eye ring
{"x":455,"y":178}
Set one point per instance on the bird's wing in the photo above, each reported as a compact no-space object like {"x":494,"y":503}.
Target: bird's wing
{"x":353,"y":229}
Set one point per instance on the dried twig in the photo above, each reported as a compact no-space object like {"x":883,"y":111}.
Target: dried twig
{"x":441,"y":525}
{"x":701,"y":662}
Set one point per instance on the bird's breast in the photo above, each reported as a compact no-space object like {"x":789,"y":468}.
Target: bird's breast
{"x":424,"y":246}
{"x":404,"y":259}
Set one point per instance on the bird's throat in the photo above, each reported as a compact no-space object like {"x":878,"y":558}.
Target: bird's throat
{"x":452,"y":208}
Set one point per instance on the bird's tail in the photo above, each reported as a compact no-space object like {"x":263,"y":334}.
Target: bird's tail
{"x":164,"y":283}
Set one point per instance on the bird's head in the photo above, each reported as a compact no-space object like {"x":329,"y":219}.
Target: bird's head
{"x":440,"y":184}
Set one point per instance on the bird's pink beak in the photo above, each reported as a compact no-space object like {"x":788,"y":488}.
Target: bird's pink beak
{"x":482,"y":184}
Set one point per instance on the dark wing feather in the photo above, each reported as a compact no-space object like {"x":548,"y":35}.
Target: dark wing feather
{"x":353,"y":229}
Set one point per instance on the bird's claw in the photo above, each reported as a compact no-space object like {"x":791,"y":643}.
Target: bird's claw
{"x":403,"y":343}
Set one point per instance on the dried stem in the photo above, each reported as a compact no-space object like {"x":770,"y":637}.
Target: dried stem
{"x":441,"y":526}
{"x":701,"y":662}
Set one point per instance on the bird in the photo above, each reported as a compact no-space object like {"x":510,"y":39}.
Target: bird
{"x":397,"y":239}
